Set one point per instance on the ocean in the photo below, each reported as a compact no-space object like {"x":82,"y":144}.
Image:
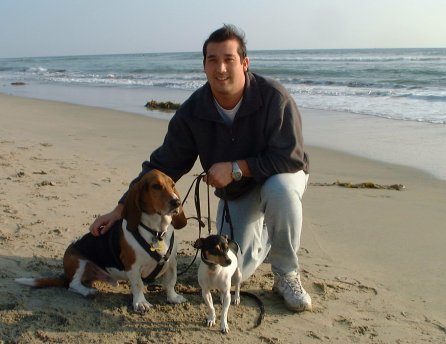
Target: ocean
{"x":404,"y":88}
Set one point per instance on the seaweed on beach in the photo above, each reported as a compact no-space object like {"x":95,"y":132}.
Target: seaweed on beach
{"x":365,"y":185}
{"x":165,"y":106}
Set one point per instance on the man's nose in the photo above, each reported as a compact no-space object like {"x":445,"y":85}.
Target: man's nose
{"x":221,"y":67}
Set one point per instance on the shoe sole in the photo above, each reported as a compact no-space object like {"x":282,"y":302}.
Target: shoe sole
{"x":305,"y":307}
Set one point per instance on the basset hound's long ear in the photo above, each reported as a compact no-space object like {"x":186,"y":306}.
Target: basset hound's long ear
{"x":179,"y":221}
{"x":132,"y":206}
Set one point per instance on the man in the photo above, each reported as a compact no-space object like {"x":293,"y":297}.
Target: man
{"x":247,"y":132}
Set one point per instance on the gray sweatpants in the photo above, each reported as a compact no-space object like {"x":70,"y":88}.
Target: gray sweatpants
{"x":268,"y":220}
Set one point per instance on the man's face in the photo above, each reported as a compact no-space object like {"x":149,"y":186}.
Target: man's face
{"x":225,"y":71}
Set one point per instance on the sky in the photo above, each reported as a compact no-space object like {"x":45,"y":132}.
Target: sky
{"x":88,"y":27}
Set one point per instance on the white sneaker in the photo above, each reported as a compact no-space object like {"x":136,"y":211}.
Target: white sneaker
{"x":290,"y":288}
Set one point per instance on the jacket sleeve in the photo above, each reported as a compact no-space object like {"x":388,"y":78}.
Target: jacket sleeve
{"x":176,"y":156}
{"x":284,"y":151}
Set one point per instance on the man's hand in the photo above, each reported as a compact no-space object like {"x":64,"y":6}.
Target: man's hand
{"x":103,"y":223}
{"x":219,"y":175}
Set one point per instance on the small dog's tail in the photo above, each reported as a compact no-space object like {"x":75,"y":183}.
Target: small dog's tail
{"x":43,"y":282}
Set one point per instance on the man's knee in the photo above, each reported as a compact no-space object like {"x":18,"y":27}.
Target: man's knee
{"x":285,"y":187}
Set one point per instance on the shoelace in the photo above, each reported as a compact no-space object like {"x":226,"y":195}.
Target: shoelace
{"x":293,"y":283}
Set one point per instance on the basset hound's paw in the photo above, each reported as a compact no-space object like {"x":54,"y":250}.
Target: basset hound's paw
{"x":142,"y":306}
{"x":176,"y":298}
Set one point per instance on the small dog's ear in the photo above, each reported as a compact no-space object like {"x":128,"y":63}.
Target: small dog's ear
{"x":233,"y":246}
{"x":198,"y":243}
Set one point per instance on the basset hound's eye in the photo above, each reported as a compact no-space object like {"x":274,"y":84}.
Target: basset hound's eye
{"x":156,"y":186}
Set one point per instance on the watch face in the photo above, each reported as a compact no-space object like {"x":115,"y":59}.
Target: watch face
{"x":236,"y":172}
{"x":236,"y":175}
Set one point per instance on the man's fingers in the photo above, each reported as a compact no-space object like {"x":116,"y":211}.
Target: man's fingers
{"x":96,"y":227}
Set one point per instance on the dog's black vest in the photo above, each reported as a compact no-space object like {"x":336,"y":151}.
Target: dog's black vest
{"x":104,"y":250}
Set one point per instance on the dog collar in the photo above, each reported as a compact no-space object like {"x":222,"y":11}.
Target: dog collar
{"x":158,"y":235}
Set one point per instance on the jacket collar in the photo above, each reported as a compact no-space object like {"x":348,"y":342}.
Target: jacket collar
{"x":251,"y":102}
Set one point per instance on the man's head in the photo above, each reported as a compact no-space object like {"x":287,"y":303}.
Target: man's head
{"x":225,"y":64}
{"x":227,"y":32}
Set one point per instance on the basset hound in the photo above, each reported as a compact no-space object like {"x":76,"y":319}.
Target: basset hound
{"x":139,"y":247}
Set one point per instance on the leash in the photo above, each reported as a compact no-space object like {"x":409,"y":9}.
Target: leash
{"x":197,"y":203}
{"x":259,"y":304}
{"x":226,"y":216}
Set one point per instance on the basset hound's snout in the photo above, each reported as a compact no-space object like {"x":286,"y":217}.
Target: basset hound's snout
{"x":175,"y":206}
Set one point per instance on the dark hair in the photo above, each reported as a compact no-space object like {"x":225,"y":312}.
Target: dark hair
{"x":225,"y":33}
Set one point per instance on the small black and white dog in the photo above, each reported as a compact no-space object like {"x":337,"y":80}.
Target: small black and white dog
{"x":218,"y":270}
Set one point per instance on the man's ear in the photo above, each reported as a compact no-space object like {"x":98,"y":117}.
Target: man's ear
{"x":245,"y":64}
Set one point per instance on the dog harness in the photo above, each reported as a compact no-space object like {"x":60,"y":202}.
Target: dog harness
{"x":160,"y":259}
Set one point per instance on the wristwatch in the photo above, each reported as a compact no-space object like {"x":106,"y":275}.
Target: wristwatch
{"x":236,"y":171}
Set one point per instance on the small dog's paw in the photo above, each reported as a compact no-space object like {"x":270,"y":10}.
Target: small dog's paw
{"x":177,"y":298}
{"x":142,"y":306}
{"x":224,"y":328}
{"x":210,"y":322}
{"x":236,"y":300}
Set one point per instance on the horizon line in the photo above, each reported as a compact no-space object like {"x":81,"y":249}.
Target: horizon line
{"x":199,"y":52}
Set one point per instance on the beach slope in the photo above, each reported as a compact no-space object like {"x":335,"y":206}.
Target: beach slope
{"x":372,"y":259}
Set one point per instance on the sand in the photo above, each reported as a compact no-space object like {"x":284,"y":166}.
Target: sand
{"x":372,"y":259}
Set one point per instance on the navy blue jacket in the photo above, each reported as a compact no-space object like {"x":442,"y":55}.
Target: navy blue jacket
{"x":266,"y":131}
